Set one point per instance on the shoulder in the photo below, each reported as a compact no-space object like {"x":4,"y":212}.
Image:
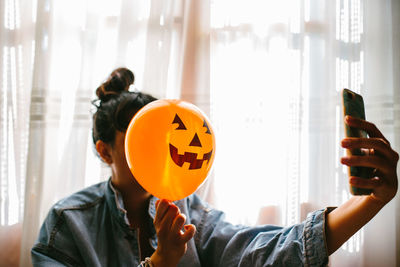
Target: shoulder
{"x":79,"y":202}
{"x":82,"y":199}
{"x":195,"y":203}
{"x":199,"y":211}
{"x":66,"y":222}
{"x":73,"y":210}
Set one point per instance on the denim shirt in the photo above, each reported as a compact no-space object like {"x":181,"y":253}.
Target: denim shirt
{"x":90,"y":228}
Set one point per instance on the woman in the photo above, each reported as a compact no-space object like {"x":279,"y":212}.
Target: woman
{"x":118,"y":223}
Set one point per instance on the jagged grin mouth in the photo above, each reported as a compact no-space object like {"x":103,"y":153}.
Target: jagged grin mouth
{"x":188,"y":157}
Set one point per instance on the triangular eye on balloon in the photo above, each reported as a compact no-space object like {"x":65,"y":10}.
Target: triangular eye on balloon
{"x":205,"y":125}
{"x":178,"y":120}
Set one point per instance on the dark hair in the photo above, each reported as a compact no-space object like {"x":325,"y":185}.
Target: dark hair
{"x":116,"y":105}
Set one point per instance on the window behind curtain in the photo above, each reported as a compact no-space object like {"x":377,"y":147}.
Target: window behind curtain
{"x":277,"y":69}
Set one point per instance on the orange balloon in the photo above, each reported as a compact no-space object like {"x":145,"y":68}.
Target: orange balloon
{"x":170,"y":148}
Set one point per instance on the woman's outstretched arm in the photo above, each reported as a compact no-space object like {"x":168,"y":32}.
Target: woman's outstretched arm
{"x":347,"y":219}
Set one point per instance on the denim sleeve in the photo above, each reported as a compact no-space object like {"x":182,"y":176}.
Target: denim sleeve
{"x":47,"y":250}
{"x":222,"y":244}
{"x":40,"y":259}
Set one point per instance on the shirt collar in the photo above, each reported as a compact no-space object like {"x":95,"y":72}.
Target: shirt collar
{"x":116,"y":204}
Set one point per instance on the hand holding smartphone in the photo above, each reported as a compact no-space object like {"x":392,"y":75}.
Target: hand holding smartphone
{"x":353,"y":105}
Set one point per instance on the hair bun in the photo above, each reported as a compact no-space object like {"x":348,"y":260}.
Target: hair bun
{"x":118,"y":81}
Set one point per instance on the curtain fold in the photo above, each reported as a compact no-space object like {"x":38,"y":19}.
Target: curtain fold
{"x":396,"y":106}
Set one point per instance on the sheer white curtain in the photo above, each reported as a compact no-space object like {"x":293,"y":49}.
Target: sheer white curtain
{"x":277,"y":68}
{"x":16,"y":58}
{"x":267,"y":72}
{"x":54,"y":55}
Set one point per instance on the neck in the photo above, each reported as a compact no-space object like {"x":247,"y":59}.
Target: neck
{"x":135,"y":198}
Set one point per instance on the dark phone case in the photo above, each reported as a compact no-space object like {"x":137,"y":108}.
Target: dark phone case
{"x":353,"y":105}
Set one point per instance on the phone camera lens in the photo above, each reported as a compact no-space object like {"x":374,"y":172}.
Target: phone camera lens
{"x":350,"y":95}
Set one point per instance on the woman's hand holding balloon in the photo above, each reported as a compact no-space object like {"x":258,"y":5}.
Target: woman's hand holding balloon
{"x":168,"y":223}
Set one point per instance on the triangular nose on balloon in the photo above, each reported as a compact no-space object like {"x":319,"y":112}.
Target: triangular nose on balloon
{"x":195,"y":141}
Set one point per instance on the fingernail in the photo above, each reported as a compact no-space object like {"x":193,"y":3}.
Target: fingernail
{"x":353,"y":180}
{"x":345,"y":142}
{"x":166,"y":201}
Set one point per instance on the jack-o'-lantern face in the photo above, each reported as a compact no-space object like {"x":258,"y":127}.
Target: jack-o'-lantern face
{"x":192,"y":151}
{"x":170,"y":147}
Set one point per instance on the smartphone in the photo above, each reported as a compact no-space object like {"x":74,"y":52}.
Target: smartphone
{"x":353,"y":105}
